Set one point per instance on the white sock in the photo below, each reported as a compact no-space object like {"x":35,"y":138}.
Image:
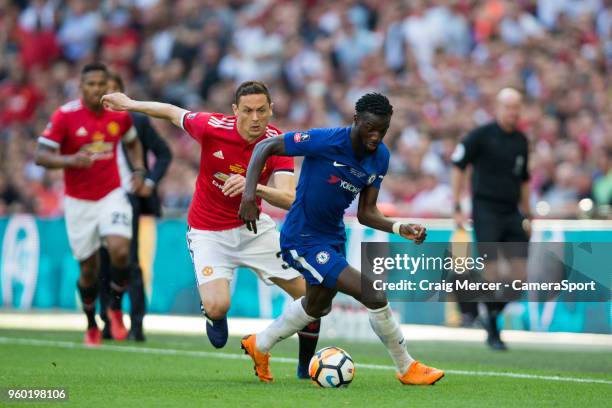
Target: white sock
{"x":388,"y":331}
{"x":293,"y":319}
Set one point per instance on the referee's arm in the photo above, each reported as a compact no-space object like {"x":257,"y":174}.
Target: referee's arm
{"x":465,"y":153}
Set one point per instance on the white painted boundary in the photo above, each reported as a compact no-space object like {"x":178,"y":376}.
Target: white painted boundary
{"x":241,"y":326}
{"x":219,"y":355}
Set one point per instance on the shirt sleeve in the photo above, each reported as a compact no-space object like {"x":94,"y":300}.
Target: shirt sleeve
{"x":310,"y":143}
{"x":54,"y":133}
{"x":525,"y":170}
{"x":128,"y":129}
{"x":383,"y":167}
{"x":283,"y":165}
{"x":195,"y":124}
{"x":467,"y":150}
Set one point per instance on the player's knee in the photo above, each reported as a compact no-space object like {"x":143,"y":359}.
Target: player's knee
{"x":88,"y":275}
{"x":216,"y":308}
{"x":375,"y":301}
{"x":120,"y":255}
{"x":375,"y":305}
{"x":317,"y":311}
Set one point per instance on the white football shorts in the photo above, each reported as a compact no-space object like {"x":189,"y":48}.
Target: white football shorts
{"x":217,"y":254}
{"x":89,"y":221}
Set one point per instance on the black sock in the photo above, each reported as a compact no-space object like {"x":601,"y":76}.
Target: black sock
{"x":118,"y":285}
{"x":88,"y":299}
{"x":309,"y":336}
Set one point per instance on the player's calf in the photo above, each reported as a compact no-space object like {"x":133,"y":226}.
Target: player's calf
{"x":216,"y":329}
{"x":308,"y":339}
{"x":215,"y":303}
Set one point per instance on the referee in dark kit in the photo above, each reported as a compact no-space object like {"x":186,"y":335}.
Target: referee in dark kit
{"x":497,"y":153}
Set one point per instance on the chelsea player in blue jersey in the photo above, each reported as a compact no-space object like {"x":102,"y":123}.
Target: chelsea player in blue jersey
{"x":339,"y":164}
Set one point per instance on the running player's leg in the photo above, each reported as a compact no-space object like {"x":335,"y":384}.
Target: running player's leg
{"x":104,"y":290}
{"x":82,"y":228}
{"x":215,"y":302}
{"x":88,"y":290}
{"x":309,"y":335}
{"x":119,"y":252}
{"x":261,"y":252}
{"x":387,"y":329}
{"x":296,"y":315}
{"x":115,"y":224}
{"x":212,"y":254}
{"x":320,"y":290}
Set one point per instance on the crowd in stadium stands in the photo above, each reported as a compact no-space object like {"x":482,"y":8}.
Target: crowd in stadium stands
{"x":440,"y":61}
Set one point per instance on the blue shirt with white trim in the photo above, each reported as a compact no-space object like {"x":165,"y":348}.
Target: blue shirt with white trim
{"x":331,"y":178}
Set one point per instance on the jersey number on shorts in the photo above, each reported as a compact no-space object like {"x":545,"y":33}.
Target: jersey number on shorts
{"x":284,"y":265}
{"x":120,"y":218}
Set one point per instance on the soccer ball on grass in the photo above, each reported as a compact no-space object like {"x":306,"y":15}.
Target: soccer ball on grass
{"x":331,"y":367}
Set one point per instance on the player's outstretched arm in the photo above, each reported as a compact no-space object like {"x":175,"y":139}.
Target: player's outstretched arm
{"x":249,"y":211}
{"x":368,"y":214}
{"x":121,"y":102}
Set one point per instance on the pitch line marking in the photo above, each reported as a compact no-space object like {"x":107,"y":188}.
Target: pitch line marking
{"x":227,"y":356}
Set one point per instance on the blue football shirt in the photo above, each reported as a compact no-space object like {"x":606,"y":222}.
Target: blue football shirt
{"x":330,"y":179}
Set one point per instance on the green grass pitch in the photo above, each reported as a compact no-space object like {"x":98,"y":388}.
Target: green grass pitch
{"x":185,"y":371}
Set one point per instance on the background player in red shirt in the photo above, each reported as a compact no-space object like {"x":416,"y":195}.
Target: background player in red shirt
{"x":218,"y":240}
{"x":82,"y":139}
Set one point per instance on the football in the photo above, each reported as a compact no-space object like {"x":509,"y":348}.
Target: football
{"x":331,"y":367}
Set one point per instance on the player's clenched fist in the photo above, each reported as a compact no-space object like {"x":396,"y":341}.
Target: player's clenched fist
{"x":415,"y":232}
{"x":249,"y":213}
{"x":117,"y":101}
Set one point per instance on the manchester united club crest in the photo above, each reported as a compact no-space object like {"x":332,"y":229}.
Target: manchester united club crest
{"x":113,"y":128}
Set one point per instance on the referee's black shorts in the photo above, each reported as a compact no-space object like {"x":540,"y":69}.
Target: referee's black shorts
{"x":494,"y":222}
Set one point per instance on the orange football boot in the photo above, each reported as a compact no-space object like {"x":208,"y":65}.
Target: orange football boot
{"x":261,"y":360}
{"x":420,"y":374}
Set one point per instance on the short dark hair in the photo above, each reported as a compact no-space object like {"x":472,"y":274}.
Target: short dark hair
{"x":113,"y":76}
{"x":252,"y":88}
{"x":375,"y":103}
{"x":94,"y":66}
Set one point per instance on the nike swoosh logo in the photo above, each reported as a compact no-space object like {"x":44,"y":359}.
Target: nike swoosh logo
{"x":336,"y":164}
{"x":330,"y":380}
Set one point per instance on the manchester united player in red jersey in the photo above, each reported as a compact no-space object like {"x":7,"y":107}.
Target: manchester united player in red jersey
{"x":217,"y":239}
{"x":82,"y":139}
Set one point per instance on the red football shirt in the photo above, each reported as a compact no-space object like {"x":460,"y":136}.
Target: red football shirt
{"x":224,"y":152}
{"x":74,"y":128}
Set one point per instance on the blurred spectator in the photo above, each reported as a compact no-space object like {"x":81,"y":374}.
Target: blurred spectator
{"x":18,"y":97}
{"x":79,"y":30}
{"x":441,"y":62}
